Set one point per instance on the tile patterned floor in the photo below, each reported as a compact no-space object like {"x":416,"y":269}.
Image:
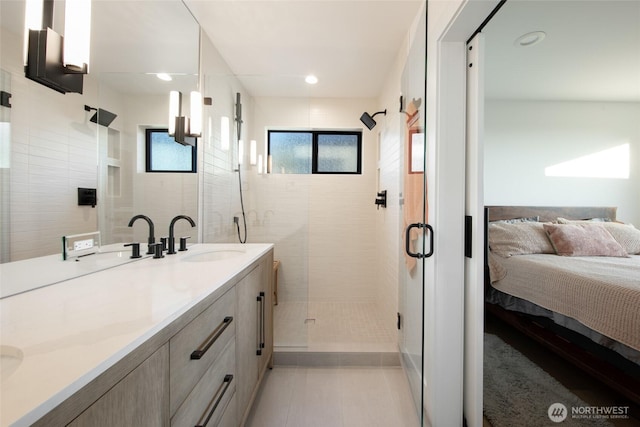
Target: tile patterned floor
{"x":332,"y":326}
{"x":333,"y":397}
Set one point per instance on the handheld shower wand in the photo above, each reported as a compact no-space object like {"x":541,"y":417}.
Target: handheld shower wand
{"x":238,"y":120}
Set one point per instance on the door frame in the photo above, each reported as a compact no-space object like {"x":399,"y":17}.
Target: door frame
{"x":450,"y":25}
{"x":475,"y":259}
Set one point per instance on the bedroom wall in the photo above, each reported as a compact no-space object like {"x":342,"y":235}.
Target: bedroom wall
{"x":523,"y":138}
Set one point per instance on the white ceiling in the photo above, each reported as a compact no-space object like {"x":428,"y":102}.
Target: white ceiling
{"x":272,"y":45}
{"x":591,"y":51}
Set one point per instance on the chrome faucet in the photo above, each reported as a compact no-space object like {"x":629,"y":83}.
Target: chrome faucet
{"x":152,"y":239}
{"x":172,"y":241}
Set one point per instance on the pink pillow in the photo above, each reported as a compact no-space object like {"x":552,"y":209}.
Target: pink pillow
{"x":580,"y":239}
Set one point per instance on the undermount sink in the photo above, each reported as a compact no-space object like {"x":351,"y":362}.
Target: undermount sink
{"x":215,"y":255}
{"x":10,"y":360}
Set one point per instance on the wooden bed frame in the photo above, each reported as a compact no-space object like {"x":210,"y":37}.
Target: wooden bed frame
{"x":558,"y":339}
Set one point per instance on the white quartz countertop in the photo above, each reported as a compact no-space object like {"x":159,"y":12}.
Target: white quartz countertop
{"x":51,"y":269}
{"x":69,"y":333}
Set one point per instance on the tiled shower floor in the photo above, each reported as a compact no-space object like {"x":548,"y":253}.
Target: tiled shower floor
{"x":332,"y":327}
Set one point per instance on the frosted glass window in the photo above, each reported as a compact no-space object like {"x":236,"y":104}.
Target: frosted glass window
{"x":317,"y":152}
{"x":290,"y":152}
{"x":338,"y":153}
{"x":164,"y":154}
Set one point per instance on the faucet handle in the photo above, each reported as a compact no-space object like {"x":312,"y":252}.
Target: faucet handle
{"x":135,"y":250}
{"x":163,"y":242}
{"x":183,"y":243}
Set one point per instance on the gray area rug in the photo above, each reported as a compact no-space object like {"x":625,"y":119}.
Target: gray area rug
{"x":519,"y":393}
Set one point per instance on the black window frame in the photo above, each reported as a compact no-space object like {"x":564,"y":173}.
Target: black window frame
{"x":149,"y":154}
{"x":314,"y":148}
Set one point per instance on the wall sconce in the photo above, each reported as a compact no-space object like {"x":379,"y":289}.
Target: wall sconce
{"x":260,"y":164}
{"x":367,"y":119}
{"x":180,"y":126}
{"x":53,"y":60}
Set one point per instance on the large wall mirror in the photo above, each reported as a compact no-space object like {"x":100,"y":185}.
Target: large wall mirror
{"x":163,"y":37}
{"x":55,"y":148}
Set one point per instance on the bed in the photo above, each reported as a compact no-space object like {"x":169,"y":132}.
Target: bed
{"x":569,"y":277}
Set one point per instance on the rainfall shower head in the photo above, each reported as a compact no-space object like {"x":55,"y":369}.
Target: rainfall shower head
{"x":367,"y":119}
{"x":101,"y":117}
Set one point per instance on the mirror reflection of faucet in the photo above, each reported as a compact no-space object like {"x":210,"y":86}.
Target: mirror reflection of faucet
{"x":256,"y":221}
{"x":265,"y":217}
{"x":172,"y":241}
{"x":151,"y":239}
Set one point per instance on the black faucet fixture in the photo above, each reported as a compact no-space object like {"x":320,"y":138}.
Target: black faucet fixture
{"x":172,"y":240}
{"x":152,"y":239}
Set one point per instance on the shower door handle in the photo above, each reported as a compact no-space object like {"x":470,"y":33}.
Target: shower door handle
{"x":408,"y":240}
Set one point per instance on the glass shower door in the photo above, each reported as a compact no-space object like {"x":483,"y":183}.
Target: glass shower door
{"x":413,"y":231}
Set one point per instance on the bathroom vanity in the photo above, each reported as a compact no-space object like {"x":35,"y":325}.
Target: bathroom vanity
{"x":179,"y":341}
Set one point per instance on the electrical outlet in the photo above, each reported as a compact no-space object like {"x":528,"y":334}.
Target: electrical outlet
{"x":82,"y":244}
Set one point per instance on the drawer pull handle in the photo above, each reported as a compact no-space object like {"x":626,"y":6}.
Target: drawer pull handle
{"x":197,"y":354}
{"x":260,"y":344}
{"x":217,"y":398}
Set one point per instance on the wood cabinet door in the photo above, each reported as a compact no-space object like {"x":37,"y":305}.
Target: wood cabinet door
{"x":141,"y":399}
{"x":248,"y":337}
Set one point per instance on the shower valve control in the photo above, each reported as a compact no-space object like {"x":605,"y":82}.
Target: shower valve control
{"x":381,"y":199}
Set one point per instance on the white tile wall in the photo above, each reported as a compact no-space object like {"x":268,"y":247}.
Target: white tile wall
{"x":323,"y":225}
{"x":334,"y":246}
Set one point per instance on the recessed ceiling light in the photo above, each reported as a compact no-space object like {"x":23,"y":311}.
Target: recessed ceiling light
{"x":164,"y":76}
{"x":530,"y":39}
{"x":311,"y":79}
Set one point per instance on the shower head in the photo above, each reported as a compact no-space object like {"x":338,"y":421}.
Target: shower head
{"x":367,"y":119}
{"x":101,"y":117}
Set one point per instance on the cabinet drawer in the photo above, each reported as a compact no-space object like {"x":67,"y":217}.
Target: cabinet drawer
{"x":229,"y":416}
{"x":208,"y":402}
{"x":209,"y":333}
